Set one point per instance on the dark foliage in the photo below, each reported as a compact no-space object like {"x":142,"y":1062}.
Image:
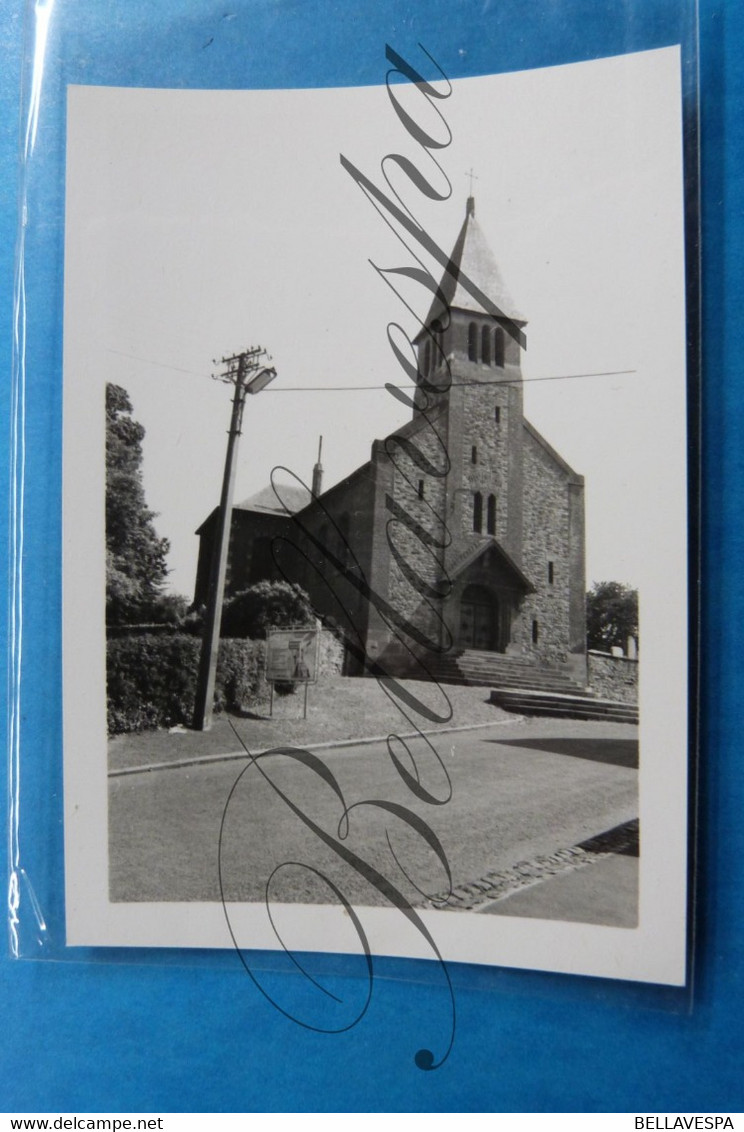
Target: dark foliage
{"x":152,"y":679}
{"x":611,"y":615}
{"x":266,"y":605}
{"x":135,"y":555}
{"x":285,"y":687}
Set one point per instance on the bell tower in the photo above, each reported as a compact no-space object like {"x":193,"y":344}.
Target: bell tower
{"x":475,"y":358}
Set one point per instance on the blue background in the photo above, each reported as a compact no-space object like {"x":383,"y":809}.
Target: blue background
{"x":84,"y":1034}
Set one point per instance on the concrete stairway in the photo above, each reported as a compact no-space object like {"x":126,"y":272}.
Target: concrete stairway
{"x":500,"y":670}
{"x":493,"y":669}
{"x":558,"y":705}
{"x":521,"y":685}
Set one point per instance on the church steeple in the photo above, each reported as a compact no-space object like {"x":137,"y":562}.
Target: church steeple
{"x":469,"y":363}
{"x":472,"y":257}
{"x":463,"y":331}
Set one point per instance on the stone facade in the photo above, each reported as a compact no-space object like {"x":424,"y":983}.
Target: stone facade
{"x":464,"y":530}
{"x":416,"y":527}
{"x":331,"y":657}
{"x":613,"y":677}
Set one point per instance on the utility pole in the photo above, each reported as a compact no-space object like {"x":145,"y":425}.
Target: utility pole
{"x":248,"y":372}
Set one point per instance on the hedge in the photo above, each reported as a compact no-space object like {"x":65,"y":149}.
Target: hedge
{"x":151,"y":680}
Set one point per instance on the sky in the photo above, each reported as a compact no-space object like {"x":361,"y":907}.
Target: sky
{"x":200,"y":223}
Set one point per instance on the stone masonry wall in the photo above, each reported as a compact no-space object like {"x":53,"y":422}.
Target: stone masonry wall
{"x":613,"y":677}
{"x":490,"y":473}
{"x":422,"y":563}
{"x":545,"y":540}
{"x":341,"y":522}
{"x":330,"y":655}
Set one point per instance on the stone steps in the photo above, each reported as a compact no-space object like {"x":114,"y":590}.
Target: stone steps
{"x":496,"y":669}
{"x":504,"y":659}
{"x":521,"y":685}
{"x":560,"y":705}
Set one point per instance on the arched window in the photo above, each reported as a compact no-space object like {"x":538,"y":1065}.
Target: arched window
{"x":491,"y":515}
{"x":486,"y":346}
{"x":498,"y":347}
{"x":472,"y":342}
{"x":478,"y":512}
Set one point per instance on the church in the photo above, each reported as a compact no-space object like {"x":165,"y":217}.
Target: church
{"x":463,"y":534}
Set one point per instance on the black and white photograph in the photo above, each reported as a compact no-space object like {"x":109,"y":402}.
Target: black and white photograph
{"x":375,"y":518}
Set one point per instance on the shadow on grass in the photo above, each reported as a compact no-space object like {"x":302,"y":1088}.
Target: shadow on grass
{"x":617,"y":752}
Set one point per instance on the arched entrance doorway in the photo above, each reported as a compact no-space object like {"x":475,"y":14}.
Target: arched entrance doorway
{"x":479,"y":619}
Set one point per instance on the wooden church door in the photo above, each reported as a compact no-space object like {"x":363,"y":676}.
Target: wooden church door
{"x":479,"y":620}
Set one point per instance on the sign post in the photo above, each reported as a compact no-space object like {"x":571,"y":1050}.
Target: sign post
{"x":292,"y":657}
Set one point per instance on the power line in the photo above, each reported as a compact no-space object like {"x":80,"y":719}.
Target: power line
{"x":159,"y":365}
{"x":432,"y":389}
{"x":384,"y":385}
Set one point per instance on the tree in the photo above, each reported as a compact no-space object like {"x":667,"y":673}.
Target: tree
{"x":266,"y":605}
{"x":611,"y":615}
{"x":135,"y":555}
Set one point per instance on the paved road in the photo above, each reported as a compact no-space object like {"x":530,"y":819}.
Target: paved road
{"x":519,"y":793}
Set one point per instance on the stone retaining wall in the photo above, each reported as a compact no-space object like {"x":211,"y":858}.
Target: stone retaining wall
{"x":613,"y":677}
{"x":331,"y":655}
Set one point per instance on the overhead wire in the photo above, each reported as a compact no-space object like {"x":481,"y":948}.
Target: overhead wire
{"x":383,"y":385}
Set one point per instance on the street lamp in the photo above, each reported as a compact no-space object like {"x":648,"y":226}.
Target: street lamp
{"x":263,"y":378}
{"x":248,"y":375}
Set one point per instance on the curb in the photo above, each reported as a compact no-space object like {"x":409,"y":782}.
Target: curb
{"x":479,"y":895}
{"x":331,"y":745}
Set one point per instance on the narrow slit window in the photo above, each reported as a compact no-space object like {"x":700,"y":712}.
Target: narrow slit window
{"x":427,"y":357}
{"x":551,"y":573}
{"x":535,"y":632}
{"x":421,"y":490}
{"x":498,"y":347}
{"x":486,"y":346}
{"x":474,"y":455}
{"x":478,"y":512}
{"x":491,"y":515}
{"x":497,"y":414}
{"x":472,"y":342}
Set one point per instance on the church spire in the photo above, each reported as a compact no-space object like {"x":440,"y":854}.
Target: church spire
{"x":472,"y":256}
{"x":462,"y":330}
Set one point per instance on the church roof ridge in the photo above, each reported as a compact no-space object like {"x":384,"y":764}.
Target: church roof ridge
{"x":293,"y":498}
{"x":472,"y":256}
{"x":548,"y":447}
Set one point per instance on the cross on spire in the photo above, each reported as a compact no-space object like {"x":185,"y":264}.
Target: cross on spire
{"x":472,"y":177}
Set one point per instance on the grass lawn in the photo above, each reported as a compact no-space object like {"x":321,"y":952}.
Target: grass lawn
{"x":338,"y":707}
